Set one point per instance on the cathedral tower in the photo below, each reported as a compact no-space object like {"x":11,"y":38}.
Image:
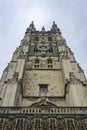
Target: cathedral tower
{"x":43,"y":78}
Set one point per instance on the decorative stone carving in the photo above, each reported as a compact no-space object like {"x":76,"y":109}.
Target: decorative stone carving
{"x":61,"y":42}
{"x":40,"y":119}
{"x":64,"y":55}
{"x":73,"y":79}
{"x":14,"y":79}
{"x":24,"y":42}
{"x":15,"y":75}
{"x":21,"y":55}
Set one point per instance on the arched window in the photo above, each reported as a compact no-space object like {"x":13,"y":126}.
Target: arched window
{"x":36,"y":38}
{"x":51,"y":50}
{"x":37,"y":124}
{"x":50,"y":63}
{"x":36,"y":63}
{"x":49,"y":38}
{"x":52,"y":123}
{"x":35,"y":50}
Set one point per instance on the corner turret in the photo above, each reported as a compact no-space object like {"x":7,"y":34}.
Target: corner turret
{"x":30,"y":28}
{"x":54,"y":28}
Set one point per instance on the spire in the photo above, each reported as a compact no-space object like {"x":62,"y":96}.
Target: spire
{"x":43,"y":29}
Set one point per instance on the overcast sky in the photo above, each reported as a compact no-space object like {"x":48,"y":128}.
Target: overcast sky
{"x":69,"y":15}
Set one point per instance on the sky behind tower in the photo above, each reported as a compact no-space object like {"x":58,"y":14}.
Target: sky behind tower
{"x":70,"y":16}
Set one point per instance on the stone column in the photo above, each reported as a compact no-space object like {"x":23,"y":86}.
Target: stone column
{"x":10,"y":93}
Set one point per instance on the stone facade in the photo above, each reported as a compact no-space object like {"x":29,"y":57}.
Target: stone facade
{"x":43,"y":83}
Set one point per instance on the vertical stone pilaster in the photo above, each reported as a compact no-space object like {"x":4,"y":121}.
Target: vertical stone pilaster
{"x":77,"y":96}
{"x":66,"y":68}
{"x":20,"y":68}
{"x":9,"y":95}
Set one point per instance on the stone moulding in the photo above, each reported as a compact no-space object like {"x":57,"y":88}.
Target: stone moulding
{"x":44,"y":109}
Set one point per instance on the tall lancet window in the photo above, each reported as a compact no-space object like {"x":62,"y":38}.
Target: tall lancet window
{"x":36,"y":63}
{"x":50,"y":63}
{"x":49,"y":38}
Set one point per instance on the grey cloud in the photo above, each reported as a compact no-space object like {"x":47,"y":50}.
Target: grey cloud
{"x":16,"y":15}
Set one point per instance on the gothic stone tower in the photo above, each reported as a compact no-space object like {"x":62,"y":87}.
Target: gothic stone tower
{"x":44,"y":81}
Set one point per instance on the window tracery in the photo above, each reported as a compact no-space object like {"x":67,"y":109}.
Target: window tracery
{"x":36,"y":63}
{"x":51,"y":50}
{"x":50,"y":63}
{"x":36,"y":38}
{"x":49,"y":38}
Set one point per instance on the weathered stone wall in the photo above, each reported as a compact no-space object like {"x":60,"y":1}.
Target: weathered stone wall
{"x":53,"y":78}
